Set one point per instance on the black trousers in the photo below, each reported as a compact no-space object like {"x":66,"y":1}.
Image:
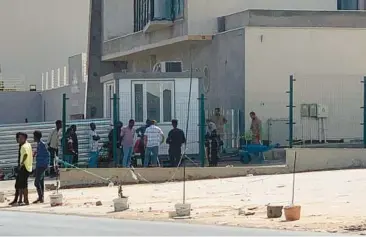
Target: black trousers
{"x":17,"y":180}
{"x":142,"y":150}
{"x":175,"y":154}
{"x":213,"y":156}
{"x":22,"y":178}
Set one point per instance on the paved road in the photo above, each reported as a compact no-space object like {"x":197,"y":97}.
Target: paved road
{"x":21,"y":223}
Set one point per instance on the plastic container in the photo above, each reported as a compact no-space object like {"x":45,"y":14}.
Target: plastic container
{"x":56,"y":199}
{"x":274,"y":211}
{"x":120,"y":204}
{"x":292,"y":213}
{"x":183,"y":209}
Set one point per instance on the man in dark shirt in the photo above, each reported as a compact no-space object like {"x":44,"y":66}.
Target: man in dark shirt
{"x":175,"y":140}
{"x":75,"y":143}
{"x":119,"y":126}
{"x":15,"y":201}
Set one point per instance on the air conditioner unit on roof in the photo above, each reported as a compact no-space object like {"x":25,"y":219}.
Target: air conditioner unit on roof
{"x":168,"y":66}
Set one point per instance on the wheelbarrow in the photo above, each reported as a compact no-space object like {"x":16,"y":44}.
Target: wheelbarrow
{"x":253,"y":153}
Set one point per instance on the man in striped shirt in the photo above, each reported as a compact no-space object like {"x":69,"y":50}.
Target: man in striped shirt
{"x":153,"y":137}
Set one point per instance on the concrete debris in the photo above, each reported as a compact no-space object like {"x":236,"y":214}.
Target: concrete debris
{"x":249,"y":213}
{"x":252,"y":208}
{"x":355,"y":228}
{"x":245,"y":212}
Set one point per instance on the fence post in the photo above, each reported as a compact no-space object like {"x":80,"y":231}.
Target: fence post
{"x":202,"y":126}
{"x":64,"y":98}
{"x":115,"y":120}
{"x":291,"y":112}
{"x":364,"y":112}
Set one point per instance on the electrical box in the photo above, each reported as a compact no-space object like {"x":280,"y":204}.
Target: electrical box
{"x":313,"y":110}
{"x":322,"y":111}
{"x":304,"y":110}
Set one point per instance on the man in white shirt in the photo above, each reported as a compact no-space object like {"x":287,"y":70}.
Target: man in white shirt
{"x":53,"y":145}
{"x":153,"y":137}
{"x":93,"y":146}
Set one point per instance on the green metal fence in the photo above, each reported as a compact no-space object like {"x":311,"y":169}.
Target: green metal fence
{"x":326,"y":109}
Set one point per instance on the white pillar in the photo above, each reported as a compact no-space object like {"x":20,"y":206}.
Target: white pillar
{"x":58,"y":77}
{"x":46,"y":80}
{"x":52,"y":79}
{"x":42,"y":81}
{"x":65,"y":76}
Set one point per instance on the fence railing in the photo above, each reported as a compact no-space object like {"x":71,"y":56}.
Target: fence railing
{"x":326,"y":109}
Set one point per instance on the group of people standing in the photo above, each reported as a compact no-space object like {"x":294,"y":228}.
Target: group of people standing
{"x":215,"y":135}
{"x":149,"y":139}
{"x":25,"y":167}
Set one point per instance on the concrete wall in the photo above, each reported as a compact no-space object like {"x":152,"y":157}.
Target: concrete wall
{"x":323,"y":72}
{"x":52,"y":102}
{"x":200,"y":17}
{"x":325,"y":159}
{"x":97,"y":68}
{"x":202,"y":14}
{"x":307,"y":160}
{"x":77,"y":178}
{"x":225,"y":82}
{"x":16,"y":106}
{"x":117,"y":18}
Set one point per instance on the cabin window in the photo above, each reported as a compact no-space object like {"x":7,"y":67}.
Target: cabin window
{"x":153,"y":100}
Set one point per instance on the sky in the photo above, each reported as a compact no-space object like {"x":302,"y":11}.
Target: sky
{"x":39,"y":35}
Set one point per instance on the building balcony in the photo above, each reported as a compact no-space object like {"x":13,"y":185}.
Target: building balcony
{"x":118,"y":48}
{"x":139,"y":41}
{"x":156,"y":23}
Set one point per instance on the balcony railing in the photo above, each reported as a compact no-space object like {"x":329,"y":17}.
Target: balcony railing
{"x":147,"y":11}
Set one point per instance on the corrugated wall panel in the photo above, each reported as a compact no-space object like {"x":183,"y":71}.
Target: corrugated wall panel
{"x":9,"y":147}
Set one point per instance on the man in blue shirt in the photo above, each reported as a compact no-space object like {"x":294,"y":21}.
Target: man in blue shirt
{"x":42,"y":161}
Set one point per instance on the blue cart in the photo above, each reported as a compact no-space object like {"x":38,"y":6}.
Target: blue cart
{"x":253,"y":153}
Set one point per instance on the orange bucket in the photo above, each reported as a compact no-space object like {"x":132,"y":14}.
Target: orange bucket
{"x":292,"y":213}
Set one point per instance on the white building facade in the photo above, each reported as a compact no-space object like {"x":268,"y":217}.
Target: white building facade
{"x":247,"y":56}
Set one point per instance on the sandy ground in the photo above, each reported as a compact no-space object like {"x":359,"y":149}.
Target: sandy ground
{"x":331,"y":201}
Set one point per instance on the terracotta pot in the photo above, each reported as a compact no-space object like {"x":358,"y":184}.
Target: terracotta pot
{"x":292,"y":213}
{"x":274,"y":211}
